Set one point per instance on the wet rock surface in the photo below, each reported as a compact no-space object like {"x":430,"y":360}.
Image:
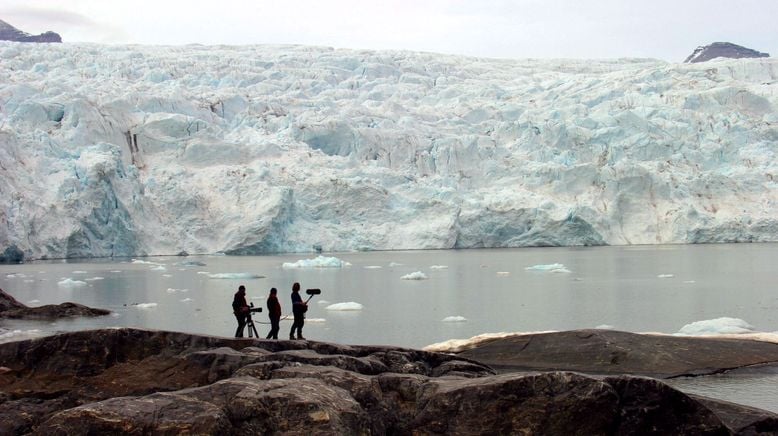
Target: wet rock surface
{"x":13,"y":309}
{"x":134,"y":381}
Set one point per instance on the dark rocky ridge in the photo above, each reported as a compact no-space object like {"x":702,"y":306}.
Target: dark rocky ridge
{"x":12,"y":308}
{"x":723,"y":50}
{"x":133,"y":381}
{"x":11,"y":33}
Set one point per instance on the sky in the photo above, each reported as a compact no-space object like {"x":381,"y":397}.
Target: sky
{"x":662,"y":29}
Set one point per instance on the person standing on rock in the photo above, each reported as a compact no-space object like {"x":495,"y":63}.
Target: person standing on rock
{"x":241,"y":310}
{"x":298,"y":310}
{"x":274,"y":313}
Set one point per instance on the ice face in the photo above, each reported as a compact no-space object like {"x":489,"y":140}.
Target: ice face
{"x":125,"y":151}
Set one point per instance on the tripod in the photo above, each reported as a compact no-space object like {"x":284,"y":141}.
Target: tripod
{"x":251,"y":327}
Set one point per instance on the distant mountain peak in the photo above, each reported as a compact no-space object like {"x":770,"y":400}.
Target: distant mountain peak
{"x":11,"y":33}
{"x":723,"y":50}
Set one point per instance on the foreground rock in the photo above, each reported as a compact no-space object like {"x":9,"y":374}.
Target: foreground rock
{"x":153,"y":382}
{"x":10,"y":307}
{"x":614,"y":352}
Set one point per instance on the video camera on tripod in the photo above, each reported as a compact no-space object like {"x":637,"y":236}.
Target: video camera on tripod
{"x":250,"y":322}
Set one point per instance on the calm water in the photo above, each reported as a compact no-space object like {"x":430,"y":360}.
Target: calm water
{"x":639,"y":289}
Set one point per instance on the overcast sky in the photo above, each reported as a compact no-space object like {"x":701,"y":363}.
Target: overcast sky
{"x":663,"y":29}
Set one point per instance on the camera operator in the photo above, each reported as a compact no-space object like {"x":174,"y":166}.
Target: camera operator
{"x":298,"y":309}
{"x":241,"y":310}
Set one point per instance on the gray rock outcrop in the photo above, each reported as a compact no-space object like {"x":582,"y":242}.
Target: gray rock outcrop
{"x":723,"y":50}
{"x":11,"y":33}
{"x":132,"y":381}
{"x":12,"y":308}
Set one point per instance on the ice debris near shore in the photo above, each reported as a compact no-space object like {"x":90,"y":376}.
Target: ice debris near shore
{"x":718,"y":326}
{"x":142,"y":150}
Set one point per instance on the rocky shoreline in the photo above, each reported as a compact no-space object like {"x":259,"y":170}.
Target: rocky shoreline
{"x":134,"y":381}
{"x":11,"y":308}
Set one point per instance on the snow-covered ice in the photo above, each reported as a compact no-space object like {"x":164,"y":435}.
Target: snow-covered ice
{"x":345,"y":306}
{"x":454,"y":318}
{"x":142,"y":150}
{"x":417,"y":275}
{"x":317,"y":262}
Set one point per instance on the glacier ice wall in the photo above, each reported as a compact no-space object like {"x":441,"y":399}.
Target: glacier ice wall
{"x":132,"y":150}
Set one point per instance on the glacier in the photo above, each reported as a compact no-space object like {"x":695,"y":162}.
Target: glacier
{"x":147,"y":150}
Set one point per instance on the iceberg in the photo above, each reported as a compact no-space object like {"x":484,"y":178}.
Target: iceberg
{"x":70,"y":283}
{"x":345,"y":306}
{"x":318,"y":262}
{"x":161,"y":159}
{"x":718,"y":326}
{"x":235,"y":276}
{"x":418,"y":275}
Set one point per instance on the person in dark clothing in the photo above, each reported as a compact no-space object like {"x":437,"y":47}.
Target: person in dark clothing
{"x":298,"y":310}
{"x":241,"y":310}
{"x":274,"y":312}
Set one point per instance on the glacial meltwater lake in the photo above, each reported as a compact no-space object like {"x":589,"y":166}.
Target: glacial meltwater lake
{"x":465,"y":293}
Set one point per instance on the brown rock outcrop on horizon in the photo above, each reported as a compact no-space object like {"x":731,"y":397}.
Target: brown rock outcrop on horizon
{"x":11,"y":308}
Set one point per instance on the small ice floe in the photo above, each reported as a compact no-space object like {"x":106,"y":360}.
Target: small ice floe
{"x":191,"y":263}
{"x":503,"y":273}
{"x":236,"y":276}
{"x":345,"y":306}
{"x":144,"y":262}
{"x":159,"y":268}
{"x":186,"y":300}
{"x":393,"y":264}
{"x":33,"y":301}
{"x":439,"y":267}
{"x":29,"y":281}
{"x":551,"y":267}
{"x":167,"y":275}
{"x":205,"y":273}
{"x":454,"y":318}
{"x":316,"y":320}
{"x":373,"y":267}
{"x":94,"y":279}
{"x":418,"y":275}
{"x":145,"y":305}
{"x":605,"y":327}
{"x":174,"y":290}
{"x":689,"y":282}
{"x":323,"y":302}
{"x":317,"y":262}
{"x":14,"y":276}
{"x":78,"y":272}
{"x":116,"y":271}
{"x":665,"y":276}
{"x":70,"y":283}
{"x":718,"y":326}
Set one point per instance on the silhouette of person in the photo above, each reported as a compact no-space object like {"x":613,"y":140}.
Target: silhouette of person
{"x":241,"y":310}
{"x":274,"y":313}
{"x":298,"y":310}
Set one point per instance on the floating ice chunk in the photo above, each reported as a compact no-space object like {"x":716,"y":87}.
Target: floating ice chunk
{"x":146,"y":305}
{"x":373,"y":267}
{"x":318,"y":262}
{"x":723,"y":325}
{"x":79,"y":272}
{"x":29,"y":281}
{"x":70,"y":283}
{"x":167,"y":275}
{"x":116,"y":271}
{"x":191,"y":263}
{"x":206,"y":273}
{"x":236,"y":276}
{"x":690,"y":281}
{"x":455,"y":318}
{"x":418,"y":275}
{"x":551,"y":267}
{"x":316,"y":320}
{"x":94,"y":279}
{"x":393,"y":264}
{"x":665,"y":276}
{"x":174,"y":290}
{"x":33,"y":301}
{"x":144,"y":262}
{"x":345,"y":306}
{"x":14,"y":275}
{"x":503,"y":273}
{"x":159,"y":268}
{"x":439,"y":267}
{"x":605,"y":327}
{"x":186,"y":300}
{"x":323,"y":302}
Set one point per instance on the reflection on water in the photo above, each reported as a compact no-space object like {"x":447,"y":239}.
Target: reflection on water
{"x":639,"y":289}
